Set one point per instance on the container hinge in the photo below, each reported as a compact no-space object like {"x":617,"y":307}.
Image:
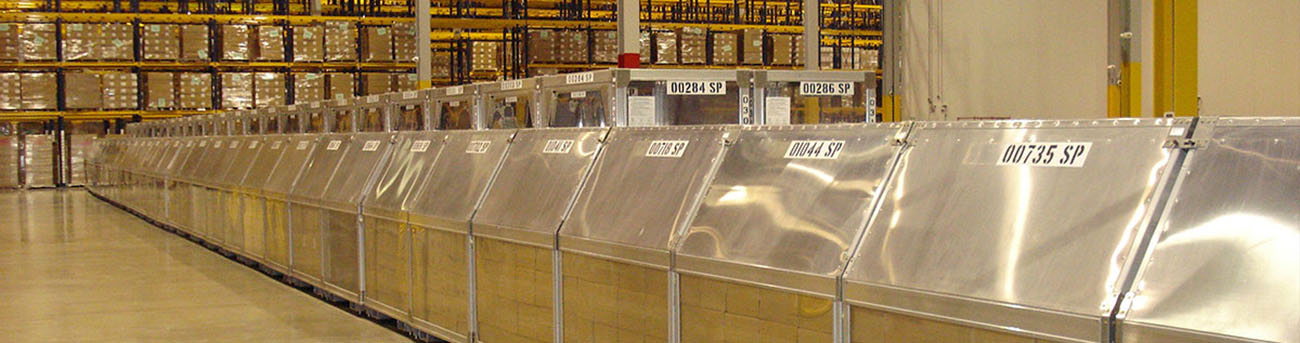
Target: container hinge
{"x":1182,"y":143}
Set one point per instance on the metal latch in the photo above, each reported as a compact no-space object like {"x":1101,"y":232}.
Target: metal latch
{"x":1181,"y":143}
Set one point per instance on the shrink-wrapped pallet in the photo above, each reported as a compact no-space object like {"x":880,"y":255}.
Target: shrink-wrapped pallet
{"x":268,"y":89}
{"x":483,"y":56}
{"x":270,"y":43}
{"x":724,"y":48}
{"x":236,"y":90}
{"x":9,"y":42}
{"x":377,"y":45}
{"x":194,"y":43}
{"x":79,"y":42}
{"x":339,"y":86}
{"x":541,"y":46}
{"x":666,"y":48}
{"x":115,"y":42}
{"x":195,"y":90}
{"x":235,"y":42}
{"x":376,"y":83}
{"x":340,"y":41}
{"x":308,"y":43}
{"x":405,"y":82}
{"x":82,"y":91}
{"x":161,"y":42}
{"x":404,"y":42}
{"x":605,"y":47}
{"x":751,"y":46}
{"x":120,"y":90}
{"x":572,"y":46}
{"x":160,"y":91}
{"x":782,"y":49}
{"x":308,"y":87}
{"x":693,"y":45}
{"x":11,"y":95}
{"x":38,"y":42}
{"x":646,"y":50}
{"x":441,"y":65}
{"x":40,"y":91}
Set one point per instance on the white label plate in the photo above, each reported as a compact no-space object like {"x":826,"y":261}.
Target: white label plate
{"x":578,"y":94}
{"x":478,"y":147}
{"x":370,"y":146}
{"x":672,"y":149}
{"x":455,"y":90}
{"x":1045,"y":154}
{"x":420,"y":146}
{"x":825,"y":88}
{"x":410,"y":95}
{"x":815,"y":149}
{"x":275,"y":145}
{"x":579,"y":78}
{"x":778,"y":110}
{"x":697,"y":88}
{"x":303,"y":145}
{"x":557,"y":146}
{"x":234,"y":145}
{"x":252,"y":145}
{"x":512,"y":84}
{"x":334,"y":145}
{"x":216,"y":145}
{"x":640,"y":110}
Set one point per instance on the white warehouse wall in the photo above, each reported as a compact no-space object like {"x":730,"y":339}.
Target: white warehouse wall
{"x":1249,"y":57}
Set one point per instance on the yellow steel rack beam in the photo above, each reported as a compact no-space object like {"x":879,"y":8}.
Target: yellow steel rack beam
{"x":464,"y":23}
{"x":192,"y":65}
{"x":190,"y":18}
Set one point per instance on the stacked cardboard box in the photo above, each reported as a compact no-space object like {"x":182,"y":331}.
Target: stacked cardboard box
{"x":541,"y":46}
{"x":339,"y":86}
{"x":308,"y":87}
{"x":82,"y":91}
{"x":441,"y":65}
{"x":483,"y":56}
{"x":270,"y":43}
{"x":377,"y":45}
{"x":160,"y":91}
{"x":872,"y":59}
{"x":798,"y":50}
{"x":120,"y":90}
{"x":376,"y":83}
{"x":405,"y":82}
{"x":404,"y":42}
{"x":115,"y":42}
{"x":38,"y":42}
{"x":161,"y":42}
{"x":340,"y":41}
{"x":11,"y":95}
{"x":605,"y":47}
{"x":9,"y":42}
{"x":236,"y":90}
{"x":827,"y":57}
{"x":195,"y":90}
{"x":693,"y":45}
{"x":724,"y":48}
{"x":782,"y":50}
{"x":751,"y":46}
{"x":572,"y":46}
{"x":308,"y":42}
{"x":79,"y":42}
{"x":235,"y":42}
{"x":666,"y":48}
{"x":268,"y":89}
{"x":194,"y":43}
{"x":40,"y":91}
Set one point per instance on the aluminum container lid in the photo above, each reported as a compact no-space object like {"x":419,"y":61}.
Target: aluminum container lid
{"x":454,"y":185}
{"x":413,"y":155}
{"x":298,"y":150}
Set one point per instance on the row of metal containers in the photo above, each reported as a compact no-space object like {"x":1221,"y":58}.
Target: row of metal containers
{"x":1127,"y":230}
{"x":613,"y":97}
{"x":36,"y":161}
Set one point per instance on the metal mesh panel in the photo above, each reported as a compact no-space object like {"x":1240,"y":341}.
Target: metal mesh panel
{"x":873,"y":326}
{"x":388,"y":264}
{"x":232,"y":220}
{"x":179,"y":209}
{"x":215,"y":216}
{"x":254,"y":221}
{"x":306,"y":240}
{"x":515,"y":292}
{"x":277,"y":234}
{"x":441,"y":278}
{"x":722,"y":311}
{"x":342,"y":255}
{"x":198,"y":210}
{"x":607,"y":301}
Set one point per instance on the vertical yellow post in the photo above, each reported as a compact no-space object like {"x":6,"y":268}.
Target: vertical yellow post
{"x":1175,"y":58}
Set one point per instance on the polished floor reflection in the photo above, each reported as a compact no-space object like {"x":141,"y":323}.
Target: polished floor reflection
{"x":75,"y":269}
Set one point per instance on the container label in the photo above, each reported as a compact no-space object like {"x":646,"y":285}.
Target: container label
{"x":315,"y":104}
{"x":334,"y":145}
{"x":697,"y":88}
{"x":234,"y":145}
{"x":512,"y":84}
{"x":640,"y":110}
{"x":455,"y":90}
{"x":824,"y":88}
{"x":420,"y":146}
{"x":666,"y":149}
{"x":578,"y":95}
{"x":512,"y":99}
{"x":1046,"y":154}
{"x":216,"y":145}
{"x":778,"y":110}
{"x":557,"y":146}
{"x":275,"y":145}
{"x":478,"y":147}
{"x":252,"y":145}
{"x":370,"y":146}
{"x":372,"y":99}
{"x":820,"y":150}
{"x":579,"y":78}
{"x":303,"y":145}
{"x":410,"y":95}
